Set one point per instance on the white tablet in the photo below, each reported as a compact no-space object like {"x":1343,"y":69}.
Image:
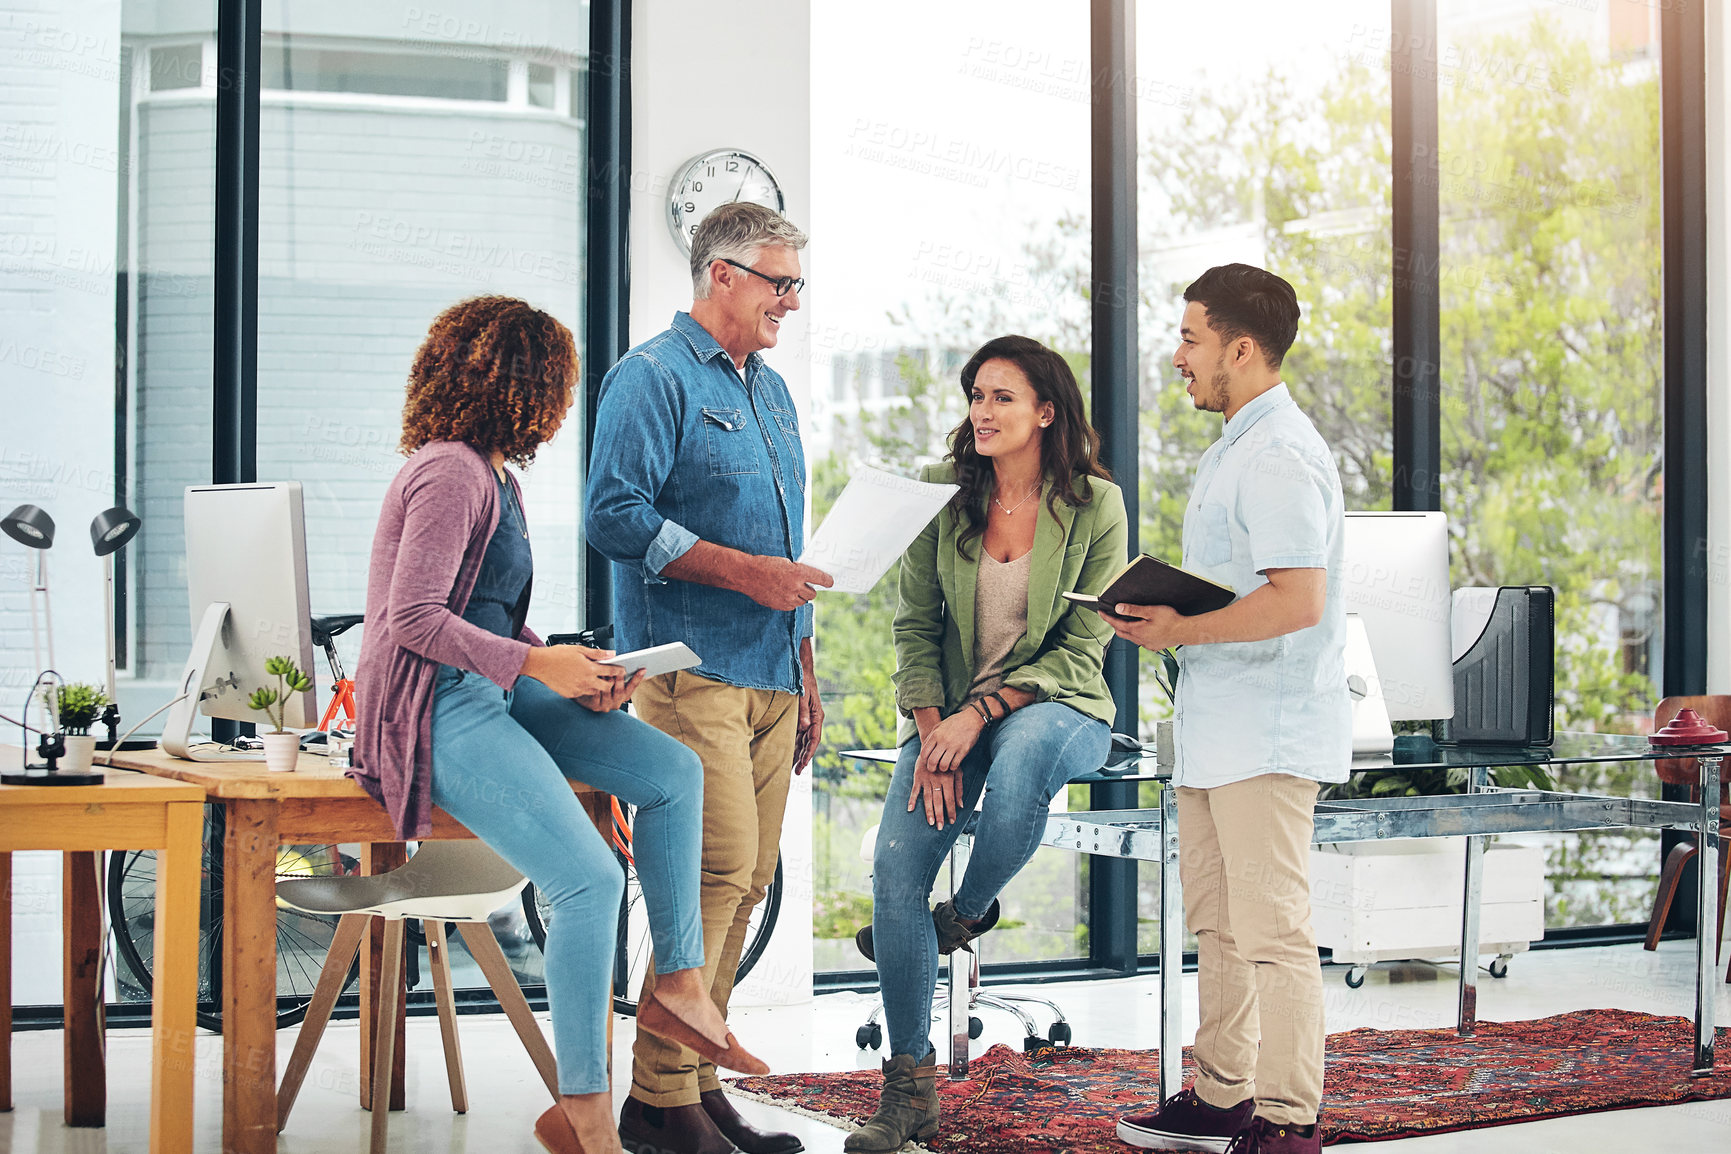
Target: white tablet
{"x":656,"y":660}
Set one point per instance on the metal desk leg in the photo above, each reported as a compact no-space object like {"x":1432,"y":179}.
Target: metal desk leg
{"x":1473,"y":889}
{"x":1707,"y":916}
{"x":1171,"y":949}
{"x":960,"y":969}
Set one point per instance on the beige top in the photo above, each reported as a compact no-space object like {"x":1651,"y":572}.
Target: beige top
{"x":1001,"y":619}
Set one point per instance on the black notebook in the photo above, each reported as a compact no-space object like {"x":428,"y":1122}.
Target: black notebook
{"x":1151,"y":581}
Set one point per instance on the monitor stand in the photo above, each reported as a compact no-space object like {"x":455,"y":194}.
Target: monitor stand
{"x":1371,"y":729}
{"x":177,"y":729}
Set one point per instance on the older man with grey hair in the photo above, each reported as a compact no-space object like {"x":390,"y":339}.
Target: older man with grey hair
{"x":696,"y":493}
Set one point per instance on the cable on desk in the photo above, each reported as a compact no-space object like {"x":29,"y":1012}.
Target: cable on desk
{"x":111,"y":752}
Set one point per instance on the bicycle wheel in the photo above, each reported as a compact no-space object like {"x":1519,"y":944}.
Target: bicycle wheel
{"x":631,"y":953}
{"x":302,"y":939}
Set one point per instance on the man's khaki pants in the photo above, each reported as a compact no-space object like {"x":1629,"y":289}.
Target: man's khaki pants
{"x":1244,"y":860}
{"x":745,"y":738}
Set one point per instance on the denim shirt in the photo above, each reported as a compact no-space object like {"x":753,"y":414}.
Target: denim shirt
{"x":1267,"y":496}
{"x":686,"y":450}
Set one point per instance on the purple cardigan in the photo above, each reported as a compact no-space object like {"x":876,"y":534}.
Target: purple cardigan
{"x":438,"y":517}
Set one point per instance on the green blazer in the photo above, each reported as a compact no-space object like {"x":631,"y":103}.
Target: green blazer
{"x":1061,"y":657}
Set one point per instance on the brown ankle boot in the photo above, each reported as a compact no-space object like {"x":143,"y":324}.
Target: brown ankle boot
{"x":743,"y":1134}
{"x":645,"y":1129}
{"x":908,"y":1107}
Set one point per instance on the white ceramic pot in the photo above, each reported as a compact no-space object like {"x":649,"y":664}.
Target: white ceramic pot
{"x":281,"y":750}
{"x":80,"y":751}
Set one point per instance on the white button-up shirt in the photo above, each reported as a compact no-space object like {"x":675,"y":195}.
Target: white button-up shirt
{"x":1267,"y":496}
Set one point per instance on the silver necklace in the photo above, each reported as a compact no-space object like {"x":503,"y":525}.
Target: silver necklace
{"x":512,"y":507}
{"x":1008,"y":509}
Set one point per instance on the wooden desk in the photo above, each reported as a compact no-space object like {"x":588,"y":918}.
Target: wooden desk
{"x":127,"y":811}
{"x":316,"y":804}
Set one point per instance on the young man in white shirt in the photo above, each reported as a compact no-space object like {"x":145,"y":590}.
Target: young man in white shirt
{"x":1263,"y":717}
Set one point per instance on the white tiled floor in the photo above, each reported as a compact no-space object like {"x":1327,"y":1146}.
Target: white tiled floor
{"x":506,"y":1096}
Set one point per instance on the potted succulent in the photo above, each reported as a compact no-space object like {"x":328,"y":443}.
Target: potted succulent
{"x":281,"y":748}
{"x":80,"y":706}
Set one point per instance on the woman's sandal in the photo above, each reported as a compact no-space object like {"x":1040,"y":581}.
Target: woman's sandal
{"x":654,"y":1016}
{"x":553,"y":1130}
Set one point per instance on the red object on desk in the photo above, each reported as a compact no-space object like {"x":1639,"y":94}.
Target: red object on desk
{"x":1687,"y":728}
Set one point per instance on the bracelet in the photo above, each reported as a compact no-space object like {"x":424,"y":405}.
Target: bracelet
{"x":999,"y":698}
{"x":979,"y":708}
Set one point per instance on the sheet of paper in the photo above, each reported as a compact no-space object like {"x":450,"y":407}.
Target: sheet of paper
{"x":871,"y":525}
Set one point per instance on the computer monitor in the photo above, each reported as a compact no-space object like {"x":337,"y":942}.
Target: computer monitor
{"x":1395,"y":576}
{"x":246,"y":584}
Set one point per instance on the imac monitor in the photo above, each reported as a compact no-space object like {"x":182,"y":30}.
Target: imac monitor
{"x":246,"y":582}
{"x":1395,"y":577}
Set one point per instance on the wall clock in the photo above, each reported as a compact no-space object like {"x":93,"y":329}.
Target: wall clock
{"x":712,"y":179}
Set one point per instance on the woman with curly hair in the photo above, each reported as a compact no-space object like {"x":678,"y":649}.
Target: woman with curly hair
{"x":1000,"y":680}
{"x":464,"y":707}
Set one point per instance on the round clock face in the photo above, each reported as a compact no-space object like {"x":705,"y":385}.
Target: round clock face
{"x":718,"y":177}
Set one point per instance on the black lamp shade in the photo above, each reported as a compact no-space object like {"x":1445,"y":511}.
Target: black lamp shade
{"x":112,"y":529}
{"x":29,"y":525}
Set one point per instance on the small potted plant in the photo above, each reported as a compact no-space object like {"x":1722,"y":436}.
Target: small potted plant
{"x":281,"y":748}
{"x":80,"y":707}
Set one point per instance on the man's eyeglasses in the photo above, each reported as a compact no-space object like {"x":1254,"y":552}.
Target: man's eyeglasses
{"x":783,"y":284}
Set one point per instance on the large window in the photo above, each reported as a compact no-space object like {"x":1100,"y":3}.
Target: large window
{"x":1276,"y":155}
{"x":400,"y":176}
{"x":106,"y":166}
{"x":1548,"y":180}
{"x":406,"y":162}
{"x":945,"y":212}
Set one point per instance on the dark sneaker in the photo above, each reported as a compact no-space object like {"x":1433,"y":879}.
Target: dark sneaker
{"x":1186,"y":1122}
{"x":1265,"y":1137}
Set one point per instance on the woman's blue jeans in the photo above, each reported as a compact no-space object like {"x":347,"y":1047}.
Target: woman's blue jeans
{"x":1020,"y":764}
{"x":502,"y":765}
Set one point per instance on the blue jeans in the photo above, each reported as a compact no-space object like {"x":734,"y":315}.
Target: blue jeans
{"x":1020,"y":764}
{"x":500,"y":766}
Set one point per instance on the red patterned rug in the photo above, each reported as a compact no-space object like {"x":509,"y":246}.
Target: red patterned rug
{"x":1379,"y":1084}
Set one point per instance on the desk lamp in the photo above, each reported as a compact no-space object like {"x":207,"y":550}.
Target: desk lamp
{"x":50,"y":742}
{"x":34,"y":528}
{"x":109,"y":532}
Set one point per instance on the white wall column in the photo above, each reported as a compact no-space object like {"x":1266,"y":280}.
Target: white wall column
{"x":710,"y":74}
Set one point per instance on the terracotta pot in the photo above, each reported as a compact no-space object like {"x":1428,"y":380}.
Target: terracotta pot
{"x":281,"y":751}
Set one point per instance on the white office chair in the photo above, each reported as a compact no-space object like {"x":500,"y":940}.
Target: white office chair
{"x":445,"y":881}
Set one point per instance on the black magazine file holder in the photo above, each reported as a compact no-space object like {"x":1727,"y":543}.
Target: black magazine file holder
{"x":1505,"y":688}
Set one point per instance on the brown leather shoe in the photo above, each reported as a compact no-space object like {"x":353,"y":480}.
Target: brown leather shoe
{"x":743,"y":1134}
{"x":654,"y":1016}
{"x":553,"y":1130}
{"x":645,"y":1129}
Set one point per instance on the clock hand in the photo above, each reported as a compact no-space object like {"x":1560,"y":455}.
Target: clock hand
{"x":740,"y":191}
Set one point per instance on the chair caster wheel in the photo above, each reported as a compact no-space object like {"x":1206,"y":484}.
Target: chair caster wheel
{"x":1355,"y":977}
{"x":1033,"y":1044}
{"x":868,"y":1037}
{"x":1500,"y":968}
{"x":975,"y":1027}
{"x":1059,"y":1033}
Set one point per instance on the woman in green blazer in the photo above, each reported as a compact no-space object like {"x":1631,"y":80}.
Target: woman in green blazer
{"x":999,"y":680}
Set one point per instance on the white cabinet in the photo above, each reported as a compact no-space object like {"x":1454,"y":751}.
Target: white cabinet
{"x":1383,"y":901}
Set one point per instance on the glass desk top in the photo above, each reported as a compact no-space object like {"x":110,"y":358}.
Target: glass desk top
{"x":1417,"y":753}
